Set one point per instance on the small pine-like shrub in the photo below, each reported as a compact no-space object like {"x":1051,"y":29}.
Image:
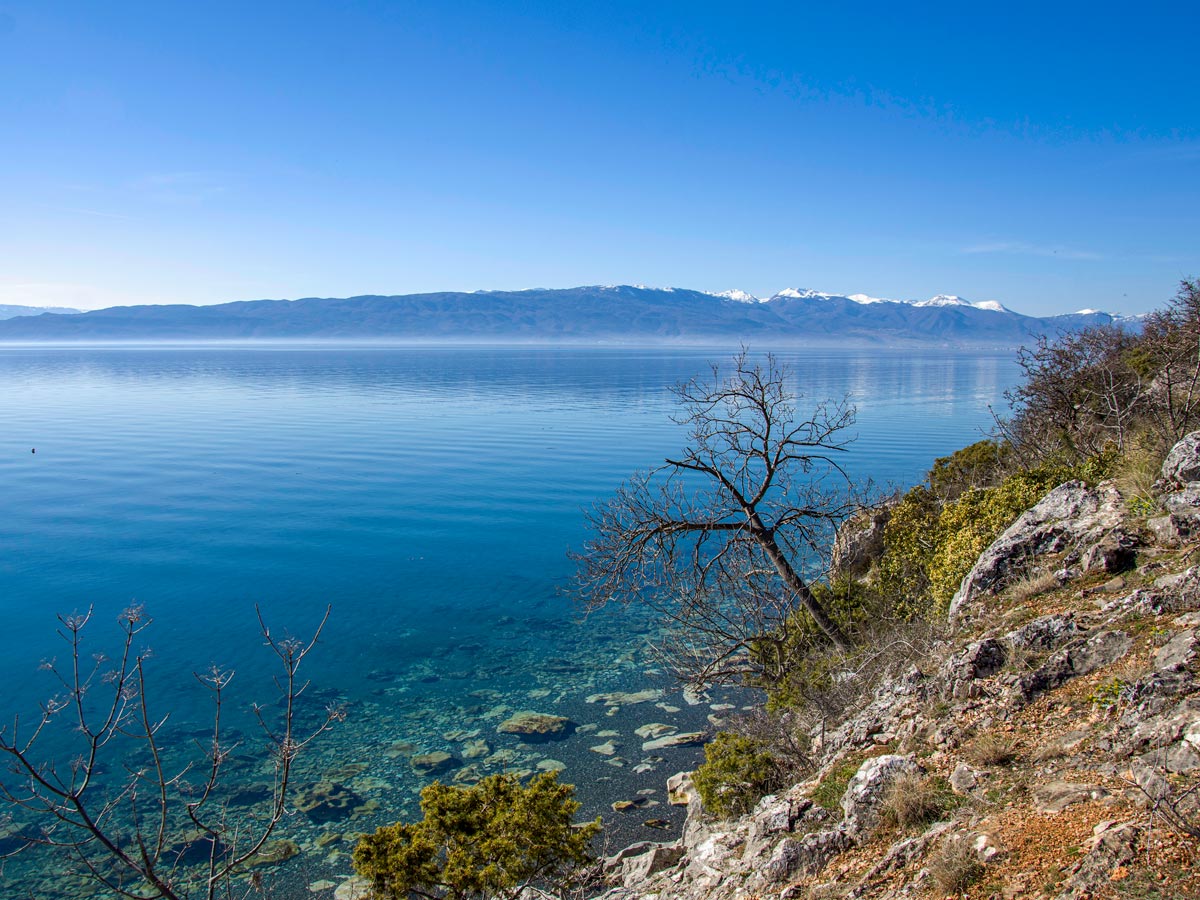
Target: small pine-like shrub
{"x":490,"y":840}
{"x":737,"y":772}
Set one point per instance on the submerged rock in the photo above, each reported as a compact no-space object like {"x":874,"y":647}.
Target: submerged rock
{"x":535,"y":726}
{"x":626,"y":698}
{"x":327,"y":801}
{"x":433,"y":763}
{"x":688,"y":739}
{"x":654,"y":730}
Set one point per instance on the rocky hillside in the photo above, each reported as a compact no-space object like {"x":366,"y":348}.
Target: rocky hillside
{"x":1049,"y":748}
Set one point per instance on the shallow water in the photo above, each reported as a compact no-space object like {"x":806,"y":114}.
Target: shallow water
{"x":428,"y":494}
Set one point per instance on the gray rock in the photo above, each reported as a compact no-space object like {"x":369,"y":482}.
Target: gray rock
{"x":981,"y":659}
{"x":613,"y":863}
{"x":1101,"y":650}
{"x":806,"y":856}
{"x":1066,"y":663}
{"x":1115,"y":552}
{"x":775,"y":815}
{"x":1046,"y":633}
{"x":635,"y":870}
{"x":680,"y":789}
{"x":688,"y":739}
{"x":1179,"y":758}
{"x":433,"y":763}
{"x":1058,"y":795}
{"x":1183,"y":509}
{"x":1116,"y":845}
{"x":964,"y":779}
{"x":859,"y":542}
{"x":867,"y":789}
{"x":1070,"y":515}
{"x":536,"y":727}
{"x":1183,"y":461}
{"x":1178,"y":653}
{"x":1164,"y":530}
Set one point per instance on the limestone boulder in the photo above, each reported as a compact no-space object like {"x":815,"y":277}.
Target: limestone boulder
{"x":859,"y":542}
{"x":1044,"y":634}
{"x":1183,"y":511}
{"x":807,"y":855}
{"x":1071,"y":515}
{"x":1182,"y":464}
{"x":867,"y":789}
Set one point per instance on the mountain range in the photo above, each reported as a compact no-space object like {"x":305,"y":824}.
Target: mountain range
{"x":596,"y":314}
{"x":9,"y":311}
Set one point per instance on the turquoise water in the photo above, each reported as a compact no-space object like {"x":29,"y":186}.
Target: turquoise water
{"x":428,"y":494}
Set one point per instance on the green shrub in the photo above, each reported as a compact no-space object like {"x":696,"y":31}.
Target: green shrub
{"x":929,"y":547}
{"x":489,"y":840}
{"x":978,"y":465}
{"x":737,"y":772}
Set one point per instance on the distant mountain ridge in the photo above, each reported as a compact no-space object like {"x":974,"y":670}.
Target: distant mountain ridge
{"x":9,"y":311}
{"x":595,"y":314}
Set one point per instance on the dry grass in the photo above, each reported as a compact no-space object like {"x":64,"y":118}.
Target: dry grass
{"x":955,"y":866}
{"x":1032,"y":584}
{"x":992,"y":748}
{"x":1135,"y":480}
{"x":914,"y":801}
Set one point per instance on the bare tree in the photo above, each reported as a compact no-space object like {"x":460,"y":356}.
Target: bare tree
{"x":1170,"y":353}
{"x":157,"y":831}
{"x":717,"y":539}
{"x":1080,"y":393}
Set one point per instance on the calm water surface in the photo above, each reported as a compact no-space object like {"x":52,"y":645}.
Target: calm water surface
{"x":428,"y":494}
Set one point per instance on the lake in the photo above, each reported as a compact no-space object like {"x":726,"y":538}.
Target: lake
{"x":429,"y":495}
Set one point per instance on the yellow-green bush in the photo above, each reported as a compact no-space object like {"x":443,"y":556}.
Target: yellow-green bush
{"x":737,"y":772}
{"x":489,"y":840}
{"x":930,"y":547}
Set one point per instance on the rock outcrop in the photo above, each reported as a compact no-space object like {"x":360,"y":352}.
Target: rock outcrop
{"x":1054,"y":730}
{"x":1072,"y":516}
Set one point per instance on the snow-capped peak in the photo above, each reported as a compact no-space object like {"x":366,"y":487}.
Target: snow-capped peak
{"x":803,"y":294}
{"x":992,"y":305}
{"x":867,"y":300}
{"x":1086,"y":312}
{"x":739,"y":296}
{"x":942,"y":300}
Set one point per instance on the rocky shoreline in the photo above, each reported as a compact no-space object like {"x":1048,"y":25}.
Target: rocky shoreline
{"x":1062,"y":725}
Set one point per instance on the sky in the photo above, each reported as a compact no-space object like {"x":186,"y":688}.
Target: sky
{"x":1043,"y":155}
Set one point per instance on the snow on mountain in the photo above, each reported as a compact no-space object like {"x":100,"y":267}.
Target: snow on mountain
{"x":739,"y":296}
{"x":941,"y":300}
{"x":867,"y":300}
{"x":803,"y":294}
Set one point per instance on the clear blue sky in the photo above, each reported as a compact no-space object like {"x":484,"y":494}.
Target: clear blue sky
{"x":1043,"y":155}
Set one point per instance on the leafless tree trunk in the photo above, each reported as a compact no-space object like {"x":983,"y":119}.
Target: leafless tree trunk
{"x":151,"y":834}
{"x":717,"y":538}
